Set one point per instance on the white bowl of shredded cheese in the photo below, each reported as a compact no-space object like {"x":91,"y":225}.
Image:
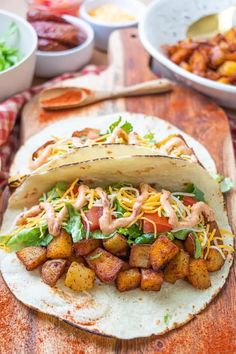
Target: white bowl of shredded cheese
{"x":107,"y":16}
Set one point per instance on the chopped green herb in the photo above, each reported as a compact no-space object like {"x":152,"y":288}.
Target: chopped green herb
{"x":95,"y":256}
{"x":199,"y":195}
{"x":150,"y":136}
{"x":167,"y":318}
{"x":127,"y":127}
{"x":113,"y":125}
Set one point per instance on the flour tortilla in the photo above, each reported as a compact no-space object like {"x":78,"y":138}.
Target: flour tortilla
{"x":64,"y":128}
{"x":104,"y":310}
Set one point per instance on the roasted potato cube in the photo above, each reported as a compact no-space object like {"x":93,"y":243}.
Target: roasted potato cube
{"x":79,"y":277}
{"x":128,"y":279}
{"x":117,"y":245}
{"x":105,"y":264}
{"x":198,"y":274}
{"x":52,"y":270}
{"x":60,"y":246}
{"x":151,"y":280}
{"x":177,"y":268}
{"x":214,"y":260}
{"x":84,"y":247}
{"x":182,"y":54}
{"x":32,"y":256}
{"x":161,"y":252}
{"x":228,"y":68}
{"x":140,"y":256}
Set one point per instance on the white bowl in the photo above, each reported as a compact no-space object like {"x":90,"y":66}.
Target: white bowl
{"x":103,"y":29}
{"x":166,"y":22}
{"x":18,"y":77}
{"x":51,"y":64}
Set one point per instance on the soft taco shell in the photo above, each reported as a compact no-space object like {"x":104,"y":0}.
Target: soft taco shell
{"x":64,"y":128}
{"x":104,"y":310}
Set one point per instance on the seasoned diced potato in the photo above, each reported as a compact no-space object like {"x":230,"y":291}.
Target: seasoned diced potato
{"x":84,"y":247}
{"x":60,"y":246}
{"x":228,"y":68}
{"x":105,"y":264}
{"x":79,"y":277}
{"x":140,"y":256}
{"x":128,"y":280}
{"x":117,"y":245}
{"x":177,"y":268}
{"x":32,"y":256}
{"x":198,"y":274}
{"x":214,"y":260}
{"x":52,"y":271}
{"x":151,"y":280}
{"x":161,"y":252}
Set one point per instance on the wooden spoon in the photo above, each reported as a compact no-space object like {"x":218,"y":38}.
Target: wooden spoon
{"x":56,"y":98}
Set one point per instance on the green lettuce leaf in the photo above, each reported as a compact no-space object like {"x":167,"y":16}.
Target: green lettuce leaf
{"x":113,"y":125}
{"x":226,"y":183}
{"x":199,"y":195}
{"x":132,"y":232}
{"x":56,"y":192}
{"x":32,"y":236}
{"x":98,"y":235}
{"x":127,"y":127}
{"x":74,"y":225}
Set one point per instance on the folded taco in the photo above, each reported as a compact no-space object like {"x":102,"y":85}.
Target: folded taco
{"x":77,"y":140}
{"x":92,"y":242}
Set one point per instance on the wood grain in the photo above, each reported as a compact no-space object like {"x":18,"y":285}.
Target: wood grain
{"x":212,"y":331}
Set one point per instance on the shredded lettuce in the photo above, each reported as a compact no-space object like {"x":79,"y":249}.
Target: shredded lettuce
{"x":32,"y":236}
{"x":199,"y":195}
{"x":98,"y":235}
{"x":126,"y":126}
{"x":181,"y":234}
{"x":56,"y":192}
{"x":145,"y":238}
{"x":74,"y":225}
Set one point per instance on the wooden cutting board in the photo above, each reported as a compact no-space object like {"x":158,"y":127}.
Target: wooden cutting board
{"x":213,"y":331}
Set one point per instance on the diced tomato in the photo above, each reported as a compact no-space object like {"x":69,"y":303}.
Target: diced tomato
{"x":93,"y":215}
{"x":189,"y":200}
{"x":75,"y":189}
{"x":161,"y":222}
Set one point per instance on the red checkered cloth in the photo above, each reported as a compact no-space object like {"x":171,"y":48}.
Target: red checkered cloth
{"x":10,"y":111}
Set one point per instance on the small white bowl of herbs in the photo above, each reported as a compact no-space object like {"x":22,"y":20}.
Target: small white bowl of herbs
{"x":18,"y":43}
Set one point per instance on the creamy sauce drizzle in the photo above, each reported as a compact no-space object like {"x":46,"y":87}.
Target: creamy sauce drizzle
{"x":179,"y":146}
{"x":192,"y":219}
{"x":109,"y":225}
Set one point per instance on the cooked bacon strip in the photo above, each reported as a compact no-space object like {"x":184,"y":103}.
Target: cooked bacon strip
{"x":34,"y":211}
{"x":109,"y":225}
{"x":117,"y":133}
{"x":43,"y":158}
{"x":81,"y":199}
{"x":196,"y":210}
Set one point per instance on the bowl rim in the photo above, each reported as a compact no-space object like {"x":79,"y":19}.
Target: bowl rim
{"x":172,"y":66}
{"x":84,"y":14}
{"x":33,"y":34}
{"x":90,"y":37}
